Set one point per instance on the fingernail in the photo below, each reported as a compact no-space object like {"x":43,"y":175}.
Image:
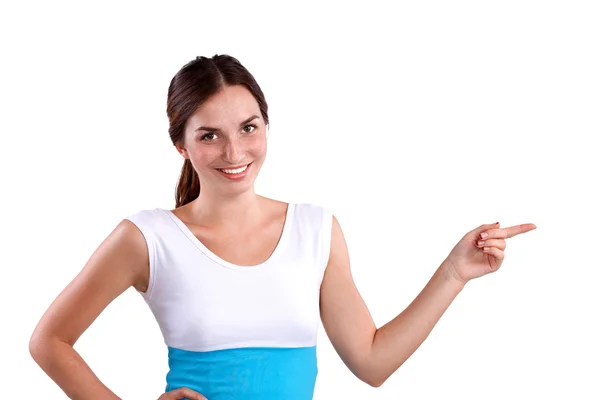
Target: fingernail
{"x":484,"y":235}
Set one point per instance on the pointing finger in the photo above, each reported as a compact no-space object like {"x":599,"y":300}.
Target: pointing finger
{"x":509,"y":232}
{"x":518,"y":229}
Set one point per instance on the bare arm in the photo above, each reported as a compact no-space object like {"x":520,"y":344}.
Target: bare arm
{"x":346,"y":318}
{"x":397,"y":340}
{"x":119,"y":262}
{"x":374,"y":354}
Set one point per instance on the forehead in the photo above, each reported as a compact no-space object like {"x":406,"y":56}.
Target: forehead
{"x":228,"y":107}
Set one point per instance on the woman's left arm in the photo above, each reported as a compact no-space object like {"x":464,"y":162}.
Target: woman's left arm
{"x":374,"y":354}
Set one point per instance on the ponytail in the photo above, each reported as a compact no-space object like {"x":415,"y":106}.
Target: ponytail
{"x":188,"y":187}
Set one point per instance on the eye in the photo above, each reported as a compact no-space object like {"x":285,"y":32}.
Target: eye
{"x":203,"y":138}
{"x":250,"y":125}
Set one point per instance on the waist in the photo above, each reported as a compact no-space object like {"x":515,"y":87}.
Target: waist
{"x":249,"y":373}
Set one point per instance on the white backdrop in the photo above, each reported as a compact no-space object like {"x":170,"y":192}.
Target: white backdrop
{"x":414,"y":123}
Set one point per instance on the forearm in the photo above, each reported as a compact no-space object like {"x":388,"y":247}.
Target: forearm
{"x":397,"y":340}
{"x":69,"y":371}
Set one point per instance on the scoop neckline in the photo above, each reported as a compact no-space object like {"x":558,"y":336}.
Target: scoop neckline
{"x":283,"y":239}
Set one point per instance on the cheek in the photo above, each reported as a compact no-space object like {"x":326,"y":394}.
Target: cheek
{"x":201,"y":157}
{"x":259,"y":146}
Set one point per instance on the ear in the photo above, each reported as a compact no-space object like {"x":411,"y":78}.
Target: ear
{"x":183,"y":151}
{"x":267,"y":134}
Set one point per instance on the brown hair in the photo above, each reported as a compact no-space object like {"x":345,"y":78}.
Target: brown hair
{"x":191,"y":86}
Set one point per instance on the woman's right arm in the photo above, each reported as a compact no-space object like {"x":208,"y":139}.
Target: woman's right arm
{"x":119,"y":262}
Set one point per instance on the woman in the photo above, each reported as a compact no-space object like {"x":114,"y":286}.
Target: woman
{"x":238,"y":281}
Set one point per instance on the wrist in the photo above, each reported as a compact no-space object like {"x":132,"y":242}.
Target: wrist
{"x":449,"y":273}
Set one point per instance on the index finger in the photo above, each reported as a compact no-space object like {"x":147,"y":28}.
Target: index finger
{"x":517,"y":230}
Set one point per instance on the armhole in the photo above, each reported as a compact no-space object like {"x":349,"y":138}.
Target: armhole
{"x":327,"y":225}
{"x":143,"y":226}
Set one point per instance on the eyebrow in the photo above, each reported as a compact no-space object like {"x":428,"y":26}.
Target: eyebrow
{"x":208,"y":128}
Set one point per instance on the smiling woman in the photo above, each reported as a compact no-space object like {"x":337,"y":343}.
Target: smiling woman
{"x":239,"y":322}
{"x":237,"y":281}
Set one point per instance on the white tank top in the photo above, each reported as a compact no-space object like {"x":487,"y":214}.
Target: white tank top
{"x":238,"y":331}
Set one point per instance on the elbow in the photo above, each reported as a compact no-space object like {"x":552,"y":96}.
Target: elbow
{"x":36,"y":347}
{"x":372,"y":379}
{"x":370,"y":374}
{"x":375,"y":382}
{"x":40,"y":347}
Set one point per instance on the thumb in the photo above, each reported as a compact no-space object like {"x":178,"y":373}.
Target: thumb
{"x":485,"y":227}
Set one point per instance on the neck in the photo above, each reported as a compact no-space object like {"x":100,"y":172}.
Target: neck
{"x":229,"y":212}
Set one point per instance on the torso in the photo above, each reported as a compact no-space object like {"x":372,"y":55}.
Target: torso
{"x":243,"y":322}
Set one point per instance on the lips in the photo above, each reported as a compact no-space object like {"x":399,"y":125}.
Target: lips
{"x":239,"y":166}
{"x":236,"y":176}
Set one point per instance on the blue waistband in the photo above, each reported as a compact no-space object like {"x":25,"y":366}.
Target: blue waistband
{"x":249,"y":373}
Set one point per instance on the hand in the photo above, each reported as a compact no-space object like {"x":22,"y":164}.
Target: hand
{"x":182,"y":393}
{"x":470,"y":259}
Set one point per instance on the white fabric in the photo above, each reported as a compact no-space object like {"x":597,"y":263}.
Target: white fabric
{"x":203,"y":303}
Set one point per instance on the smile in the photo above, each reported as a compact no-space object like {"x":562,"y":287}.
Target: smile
{"x":234,"y":171}
{"x":236,"y":174}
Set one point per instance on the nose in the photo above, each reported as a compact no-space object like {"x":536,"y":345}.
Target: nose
{"x":233,"y":151}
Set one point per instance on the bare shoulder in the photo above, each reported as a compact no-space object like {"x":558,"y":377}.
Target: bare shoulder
{"x":339,"y":259}
{"x":274,"y":203}
{"x":119,"y":262}
{"x":122,"y":258}
{"x":275,"y":207}
{"x":131,"y":247}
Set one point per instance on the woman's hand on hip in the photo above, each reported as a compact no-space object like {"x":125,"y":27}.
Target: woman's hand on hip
{"x":182,"y":393}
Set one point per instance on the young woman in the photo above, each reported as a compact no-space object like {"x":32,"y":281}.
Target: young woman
{"x":238,"y":282}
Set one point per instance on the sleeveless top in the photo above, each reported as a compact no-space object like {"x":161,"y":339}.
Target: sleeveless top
{"x":232,"y":331}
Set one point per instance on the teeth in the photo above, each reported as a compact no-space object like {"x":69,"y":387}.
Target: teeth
{"x":234,"y":171}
